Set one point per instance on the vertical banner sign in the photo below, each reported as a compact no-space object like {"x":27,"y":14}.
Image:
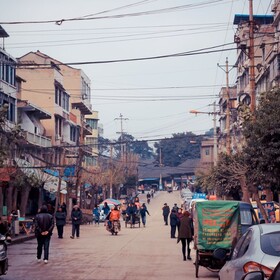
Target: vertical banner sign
{"x":217,"y":224}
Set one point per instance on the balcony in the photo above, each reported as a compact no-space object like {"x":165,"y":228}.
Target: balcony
{"x":38,"y":140}
{"x":87,"y":128}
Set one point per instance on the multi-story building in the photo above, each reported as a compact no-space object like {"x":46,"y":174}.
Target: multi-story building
{"x":240,"y":94}
{"x":268,"y":71}
{"x":63,"y":91}
{"x":92,"y":140}
{"x":224,"y":98}
{"x":8,"y":82}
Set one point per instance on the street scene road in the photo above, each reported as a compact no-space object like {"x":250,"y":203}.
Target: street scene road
{"x":136,"y":253}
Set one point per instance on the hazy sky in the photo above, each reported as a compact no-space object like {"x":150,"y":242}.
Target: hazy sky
{"x":154,"y":95}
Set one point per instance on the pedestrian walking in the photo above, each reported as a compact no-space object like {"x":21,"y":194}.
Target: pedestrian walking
{"x":175,"y":207}
{"x":44,"y":225}
{"x":96,"y":214}
{"x":64,"y":208}
{"x":143,"y":211}
{"x":173,"y":223}
{"x":76,"y":216}
{"x":60,"y":219}
{"x":179,"y":215}
{"x":165,"y":213}
{"x":185,"y":234}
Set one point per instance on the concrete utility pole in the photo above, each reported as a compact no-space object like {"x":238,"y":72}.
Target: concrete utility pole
{"x":111,"y":172}
{"x":215,"y":144}
{"x":228,"y":140}
{"x":252,"y":79}
{"x":121,"y":119}
{"x":160,"y":165}
{"x":61,"y":173}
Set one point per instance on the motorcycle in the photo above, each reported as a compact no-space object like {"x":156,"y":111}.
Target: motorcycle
{"x":114,"y":227}
{"x":3,"y":254}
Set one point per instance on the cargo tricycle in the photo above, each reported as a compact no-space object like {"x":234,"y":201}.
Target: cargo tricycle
{"x":218,"y":225}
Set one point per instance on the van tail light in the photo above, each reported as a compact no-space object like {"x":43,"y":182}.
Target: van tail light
{"x":254,"y":266}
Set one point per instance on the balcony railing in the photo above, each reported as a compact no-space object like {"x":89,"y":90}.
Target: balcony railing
{"x":38,"y":140}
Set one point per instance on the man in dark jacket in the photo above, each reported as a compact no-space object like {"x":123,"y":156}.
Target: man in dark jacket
{"x":44,"y":225}
{"x":76,"y":216}
{"x":173,"y":223}
{"x":165,"y":213}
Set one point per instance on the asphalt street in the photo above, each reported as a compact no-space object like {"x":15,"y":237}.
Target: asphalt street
{"x":134,"y":254}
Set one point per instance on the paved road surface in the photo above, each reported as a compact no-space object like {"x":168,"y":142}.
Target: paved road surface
{"x":135,"y":254}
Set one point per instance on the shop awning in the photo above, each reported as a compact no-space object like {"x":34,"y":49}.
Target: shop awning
{"x":50,"y":178}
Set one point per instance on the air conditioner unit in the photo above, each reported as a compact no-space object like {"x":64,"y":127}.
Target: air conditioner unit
{"x":57,"y":137}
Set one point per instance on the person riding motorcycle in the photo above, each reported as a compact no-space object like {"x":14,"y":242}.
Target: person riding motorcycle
{"x":114,"y":215}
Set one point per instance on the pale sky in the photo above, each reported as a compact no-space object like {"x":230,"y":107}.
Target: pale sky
{"x":155,"y":95}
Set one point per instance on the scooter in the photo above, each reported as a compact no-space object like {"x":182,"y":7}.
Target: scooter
{"x":3,"y":254}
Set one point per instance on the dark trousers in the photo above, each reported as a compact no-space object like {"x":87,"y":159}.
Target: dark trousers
{"x":165,"y":218}
{"x":184,"y":242}
{"x":60,"y":230}
{"x":173,"y":231}
{"x":75,"y":229}
{"x":43,"y":241}
{"x":143,"y":219}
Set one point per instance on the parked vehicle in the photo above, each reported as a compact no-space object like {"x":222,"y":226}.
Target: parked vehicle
{"x":3,"y":254}
{"x":257,"y":249}
{"x":218,"y":224}
{"x":259,"y":275}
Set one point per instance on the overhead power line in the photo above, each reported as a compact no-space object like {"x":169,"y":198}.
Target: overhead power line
{"x":144,"y":13}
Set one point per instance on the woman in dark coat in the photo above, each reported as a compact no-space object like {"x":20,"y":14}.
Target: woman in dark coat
{"x":185,"y":234}
{"x":76,"y":216}
{"x":60,"y":218}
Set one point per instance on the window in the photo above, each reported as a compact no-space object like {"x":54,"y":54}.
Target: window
{"x":242,"y":245}
{"x":92,"y":141}
{"x":92,"y":123}
{"x":90,"y":161}
{"x":58,"y":126}
{"x":11,"y":106}
{"x":207,"y":151}
{"x":7,"y":69}
{"x":270,"y":243}
{"x":73,"y":133}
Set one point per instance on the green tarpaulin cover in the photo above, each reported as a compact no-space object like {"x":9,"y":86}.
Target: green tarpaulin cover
{"x":216,"y":224}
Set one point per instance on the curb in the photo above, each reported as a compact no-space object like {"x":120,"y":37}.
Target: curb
{"x":22,"y":239}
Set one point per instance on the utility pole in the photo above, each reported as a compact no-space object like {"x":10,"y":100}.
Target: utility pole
{"x":252,"y":79}
{"x":215,"y":144}
{"x":227,"y":97}
{"x":121,"y":119}
{"x":61,"y":173}
{"x":160,"y":165}
{"x":111,"y":172}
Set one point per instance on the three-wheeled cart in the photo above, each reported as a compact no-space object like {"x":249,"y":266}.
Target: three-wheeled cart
{"x":217,"y":227}
{"x":129,"y":220}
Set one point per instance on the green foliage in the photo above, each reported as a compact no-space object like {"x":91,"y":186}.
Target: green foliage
{"x":131,"y":181}
{"x":132,"y":145}
{"x":223,"y":179}
{"x":262,"y":133}
{"x":179,"y":148}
